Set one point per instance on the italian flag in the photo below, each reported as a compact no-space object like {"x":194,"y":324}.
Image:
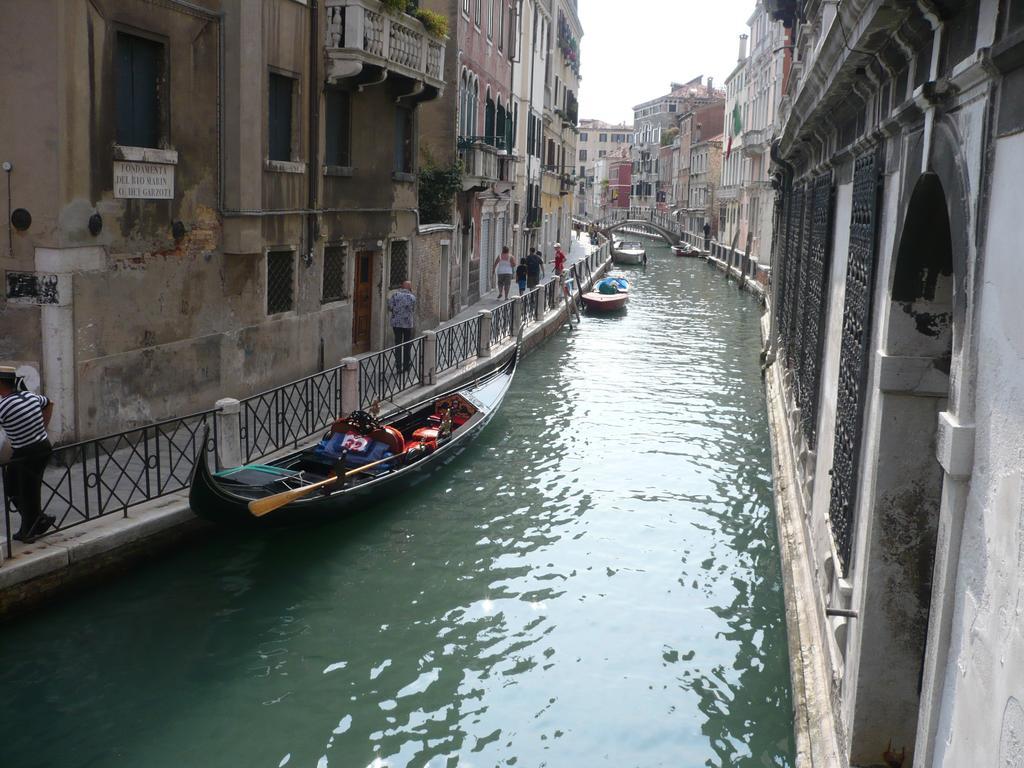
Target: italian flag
{"x":737,"y":128}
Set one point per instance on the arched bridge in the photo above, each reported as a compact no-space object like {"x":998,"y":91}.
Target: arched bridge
{"x":661,"y":224}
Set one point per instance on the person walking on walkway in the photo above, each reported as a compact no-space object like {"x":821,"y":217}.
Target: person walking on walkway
{"x":534,"y":269}
{"x":402,"y":304}
{"x":707,"y":236}
{"x":559,"y":259}
{"x":521,"y":276}
{"x":504,"y":268}
{"x":24,"y":416}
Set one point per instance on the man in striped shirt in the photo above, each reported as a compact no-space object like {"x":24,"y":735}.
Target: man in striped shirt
{"x":24,"y":416}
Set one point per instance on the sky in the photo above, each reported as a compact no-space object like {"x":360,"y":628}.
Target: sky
{"x":633,"y":49}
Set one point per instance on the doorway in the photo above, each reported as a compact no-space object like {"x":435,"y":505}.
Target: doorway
{"x":900,"y":551}
{"x":362,"y":303}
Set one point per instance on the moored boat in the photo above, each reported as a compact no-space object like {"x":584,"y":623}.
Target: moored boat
{"x":685,"y":249}
{"x":610,"y":293}
{"x":629,"y":252}
{"x":360,"y":460}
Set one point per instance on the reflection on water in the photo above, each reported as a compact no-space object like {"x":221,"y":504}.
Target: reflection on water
{"x":596,"y":583}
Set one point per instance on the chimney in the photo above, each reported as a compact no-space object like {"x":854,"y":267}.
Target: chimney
{"x":711,"y":85}
{"x":743,"y":48}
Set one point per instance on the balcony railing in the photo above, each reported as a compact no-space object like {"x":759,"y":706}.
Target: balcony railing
{"x":754,"y":141}
{"x":485,"y":162}
{"x":362,"y":32}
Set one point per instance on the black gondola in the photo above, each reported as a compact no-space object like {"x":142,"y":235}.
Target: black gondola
{"x":453,"y":419}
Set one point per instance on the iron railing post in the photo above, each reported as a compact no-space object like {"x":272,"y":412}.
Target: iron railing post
{"x":350,"y":394}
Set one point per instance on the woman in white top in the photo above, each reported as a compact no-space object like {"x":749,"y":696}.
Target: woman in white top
{"x":504,"y":267}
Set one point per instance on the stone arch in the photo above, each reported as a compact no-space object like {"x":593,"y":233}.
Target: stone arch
{"x":914,"y":382}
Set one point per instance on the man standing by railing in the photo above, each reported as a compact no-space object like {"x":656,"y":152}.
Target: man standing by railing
{"x":402,"y":304}
{"x":24,"y":416}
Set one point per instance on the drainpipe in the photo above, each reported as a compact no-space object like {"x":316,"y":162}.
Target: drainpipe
{"x":529,"y":116}
{"x":770,"y":350}
{"x":315,"y":89}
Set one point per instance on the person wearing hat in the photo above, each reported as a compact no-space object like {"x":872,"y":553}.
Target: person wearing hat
{"x":559,"y":259}
{"x":24,"y":416}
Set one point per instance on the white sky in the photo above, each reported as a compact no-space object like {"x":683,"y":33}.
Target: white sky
{"x":633,"y":49}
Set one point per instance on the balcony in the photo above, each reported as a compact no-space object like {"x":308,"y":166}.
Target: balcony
{"x":754,"y":141}
{"x":567,"y":184}
{"x":485,"y":164}
{"x":365,"y":42}
{"x":551,"y":181}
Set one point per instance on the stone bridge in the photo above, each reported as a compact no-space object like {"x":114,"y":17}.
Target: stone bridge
{"x":661,"y":224}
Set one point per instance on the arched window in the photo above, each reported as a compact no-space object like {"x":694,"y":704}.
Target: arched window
{"x":474,"y":107}
{"x":489,"y":118}
{"x":464,"y":103}
{"x":499,"y":125}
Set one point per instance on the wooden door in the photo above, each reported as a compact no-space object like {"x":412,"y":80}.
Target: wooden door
{"x":362,"y":302}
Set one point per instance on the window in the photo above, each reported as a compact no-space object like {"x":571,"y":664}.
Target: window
{"x":583,"y":137}
{"x":490,"y":19}
{"x":334,"y":274}
{"x":399,"y":270}
{"x":140,"y":67}
{"x":583,"y":171}
{"x":602,"y":153}
{"x":672,"y":107}
{"x":513,"y":38}
{"x":403,"y":140}
{"x":465,"y":7}
{"x":603,"y":138}
{"x":583,"y":155}
{"x":501,"y":26}
{"x":338,"y":127}
{"x":479,"y":14}
{"x":280,"y":281}
{"x":280,"y":114}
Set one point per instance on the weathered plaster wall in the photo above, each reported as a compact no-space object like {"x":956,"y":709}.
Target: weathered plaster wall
{"x":982,"y":720}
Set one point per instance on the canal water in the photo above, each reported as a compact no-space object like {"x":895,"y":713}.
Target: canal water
{"x":596,"y":582}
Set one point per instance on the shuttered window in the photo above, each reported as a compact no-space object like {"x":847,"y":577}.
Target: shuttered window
{"x":140,"y":66}
{"x":403,"y":140}
{"x":338,"y":127}
{"x":280,"y":116}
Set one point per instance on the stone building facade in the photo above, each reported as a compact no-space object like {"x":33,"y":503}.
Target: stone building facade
{"x":597,"y":139}
{"x":473,"y":124}
{"x":896,"y":374}
{"x":212,"y":198}
{"x":654,"y":118}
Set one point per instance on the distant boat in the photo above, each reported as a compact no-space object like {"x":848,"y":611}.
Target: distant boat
{"x":629,"y":252}
{"x":685,"y":249}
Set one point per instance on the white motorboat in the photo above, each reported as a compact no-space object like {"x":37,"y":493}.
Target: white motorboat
{"x":629,"y":252}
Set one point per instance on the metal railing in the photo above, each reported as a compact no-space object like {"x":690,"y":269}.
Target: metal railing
{"x":107,"y":475}
{"x":551,"y":293}
{"x":284,"y":415}
{"x":457,"y":343}
{"x":388,"y":373}
{"x":502,"y":320}
{"x":530,"y":301}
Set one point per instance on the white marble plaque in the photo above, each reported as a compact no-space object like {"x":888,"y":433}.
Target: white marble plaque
{"x":153,"y":181}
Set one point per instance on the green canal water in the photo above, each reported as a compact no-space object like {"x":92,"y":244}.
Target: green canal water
{"x":595,"y":582}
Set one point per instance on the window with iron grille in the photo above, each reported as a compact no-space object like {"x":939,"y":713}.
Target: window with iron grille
{"x":280,"y":281}
{"x":399,"y":263}
{"x":334,"y":274}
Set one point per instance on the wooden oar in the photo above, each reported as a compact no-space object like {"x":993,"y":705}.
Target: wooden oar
{"x":261,"y":507}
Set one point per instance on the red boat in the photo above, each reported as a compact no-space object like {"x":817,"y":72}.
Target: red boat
{"x":605,"y":302}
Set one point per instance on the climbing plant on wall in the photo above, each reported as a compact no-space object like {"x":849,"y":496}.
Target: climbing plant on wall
{"x":568,"y":44}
